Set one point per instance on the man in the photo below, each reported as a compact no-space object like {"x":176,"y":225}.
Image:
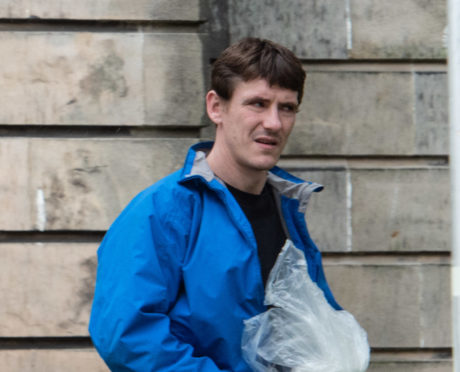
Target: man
{"x":185,"y":263}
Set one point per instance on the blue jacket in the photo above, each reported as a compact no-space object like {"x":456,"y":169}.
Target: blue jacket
{"x":178,"y":272}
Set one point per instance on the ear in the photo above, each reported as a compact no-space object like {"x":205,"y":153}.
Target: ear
{"x":214,"y":107}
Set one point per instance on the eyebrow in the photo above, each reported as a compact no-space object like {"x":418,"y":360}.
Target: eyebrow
{"x":255,"y":98}
{"x":260,"y":98}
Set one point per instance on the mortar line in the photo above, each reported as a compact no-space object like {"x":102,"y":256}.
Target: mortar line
{"x":407,"y":354}
{"x":351,"y":162}
{"x":48,"y":343}
{"x":376,"y":66}
{"x":111,"y":131}
{"x":61,"y":236}
{"x":106,"y":25}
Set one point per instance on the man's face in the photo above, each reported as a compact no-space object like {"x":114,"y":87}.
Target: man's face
{"x":254,"y":125}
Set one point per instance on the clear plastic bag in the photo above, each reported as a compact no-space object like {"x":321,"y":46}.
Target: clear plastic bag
{"x":301,"y":332}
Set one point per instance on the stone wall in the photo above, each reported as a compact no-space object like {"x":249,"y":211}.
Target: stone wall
{"x":101,"y":99}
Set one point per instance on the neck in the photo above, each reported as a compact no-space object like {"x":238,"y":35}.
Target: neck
{"x":248,"y":180}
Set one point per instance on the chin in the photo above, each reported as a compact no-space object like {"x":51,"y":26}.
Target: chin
{"x":265,"y":165}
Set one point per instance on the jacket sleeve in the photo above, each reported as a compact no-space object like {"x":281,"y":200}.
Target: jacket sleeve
{"x":138,"y":281}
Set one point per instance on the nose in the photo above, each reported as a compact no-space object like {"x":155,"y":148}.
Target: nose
{"x":272,"y":119}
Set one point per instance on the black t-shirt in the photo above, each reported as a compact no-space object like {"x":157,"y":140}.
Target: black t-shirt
{"x":263,"y":215}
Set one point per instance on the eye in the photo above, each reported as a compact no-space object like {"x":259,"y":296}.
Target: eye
{"x":289,"y":108}
{"x":258,"y":104}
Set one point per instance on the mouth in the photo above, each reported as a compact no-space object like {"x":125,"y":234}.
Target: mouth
{"x":267,"y":141}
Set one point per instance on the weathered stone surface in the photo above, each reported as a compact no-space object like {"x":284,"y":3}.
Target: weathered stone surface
{"x":218,"y":26}
{"x":79,"y":184}
{"x":47,"y":289}
{"x":431,"y":113}
{"x":401,"y":210}
{"x":401,"y":304}
{"x":51,"y":360}
{"x":328,"y":215}
{"x":355,"y":113}
{"x":167,"y":10}
{"x":13,"y":193}
{"x":311,"y":29}
{"x":382,"y":209}
{"x":101,"y":78}
{"x":372,"y":113}
{"x":398,"y":29}
{"x":71,"y":78}
{"x":174,"y":81}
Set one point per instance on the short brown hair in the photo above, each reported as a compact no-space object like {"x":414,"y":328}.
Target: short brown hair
{"x":253,"y":58}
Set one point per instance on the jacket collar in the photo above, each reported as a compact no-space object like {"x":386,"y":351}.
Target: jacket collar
{"x":196,"y":164}
{"x":283,"y":182}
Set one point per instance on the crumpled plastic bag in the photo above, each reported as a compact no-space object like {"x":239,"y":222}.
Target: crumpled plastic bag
{"x":301,"y":332}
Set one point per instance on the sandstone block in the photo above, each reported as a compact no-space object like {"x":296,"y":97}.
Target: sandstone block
{"x":355,"y":113}
{"x":372,"y":113}
{"x":431,"y":113}
{"x":401,"y":210}
{"x":409,"y":29}
{"x":47,"y":289}
{"x":174,"y":81}
{"x":328,"y":215}
{"x":101,"y":78}
{"x":158,"y":10}
{"x":79,"y":184}
{"x":311,"y":29}
{"x":71,"y":78}
{"x":38,"y":360}
{"x":401,"y":304}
